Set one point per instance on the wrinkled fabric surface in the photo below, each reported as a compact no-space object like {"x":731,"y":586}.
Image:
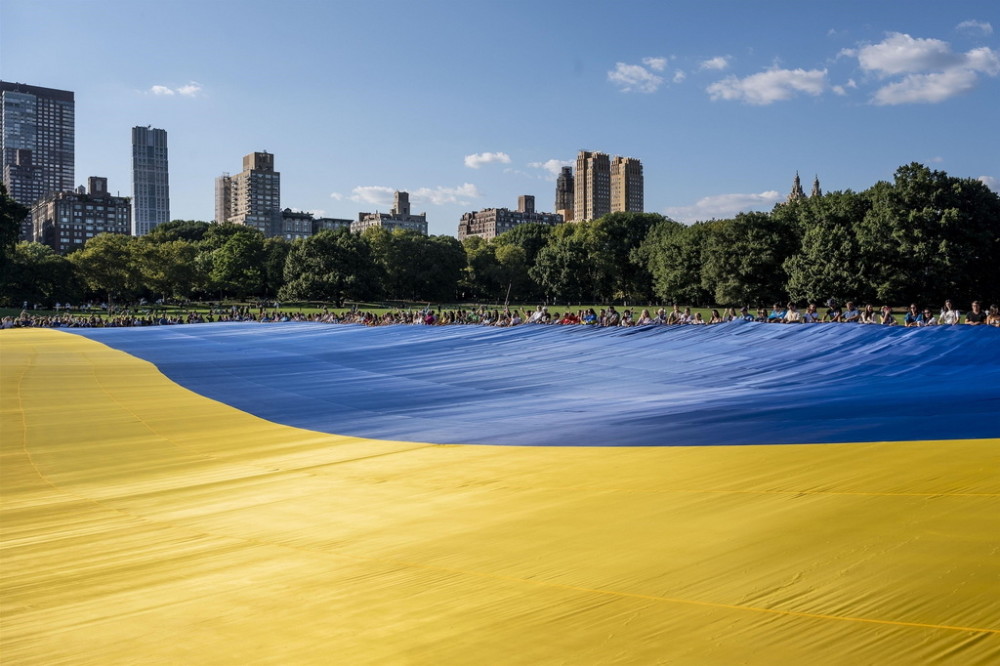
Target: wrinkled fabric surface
{"x":144,"y":519}
{"x":741,"y":383}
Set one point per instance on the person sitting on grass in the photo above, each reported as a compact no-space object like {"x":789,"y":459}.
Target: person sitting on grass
{"x":792,"y":314}
{"x":851,"y":314}
{"x":777,"y":314}
{"x":975,"y":316}
{"x":810,"y":316}
{"x":912,"y":316}
{"x":949,"y":315}
{"x":833,"y":312}
{"x":887,"y":318}
{"x":993,"y":318}
{"x":928,"y":318}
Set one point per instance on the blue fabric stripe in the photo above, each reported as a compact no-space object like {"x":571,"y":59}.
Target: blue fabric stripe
{"x":738,"y":383}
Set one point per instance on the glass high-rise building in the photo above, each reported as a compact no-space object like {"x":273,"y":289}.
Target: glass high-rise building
{"x":37,"y":138}
{"x":150,"y":180}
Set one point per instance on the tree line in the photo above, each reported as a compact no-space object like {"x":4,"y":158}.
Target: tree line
{"x":924,"y":237}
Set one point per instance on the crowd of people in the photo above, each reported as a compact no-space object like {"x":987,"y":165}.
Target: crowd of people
{"x":789,"y":313}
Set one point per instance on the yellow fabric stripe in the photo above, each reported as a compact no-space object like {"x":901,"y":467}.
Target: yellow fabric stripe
{"x":143,"y":523}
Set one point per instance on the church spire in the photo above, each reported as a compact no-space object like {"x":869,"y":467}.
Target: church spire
{"x":816,"y":191}
{"x":797,"y":191}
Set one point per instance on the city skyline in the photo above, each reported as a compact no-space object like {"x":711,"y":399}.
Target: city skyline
{"x":722,"y":103}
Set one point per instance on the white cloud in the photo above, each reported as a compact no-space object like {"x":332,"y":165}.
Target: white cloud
{"x":190,"y":90}
{"x":379,"y":195}
{"x":655,"y":64}
{"x":723,"y":206}
{"x":718,"y":63}
{"x":336,"y":196}
{"x":771,"y":86}
{"x":926,"y":88}
{"x":477,"y":160}
{"x":983,"y":60}
{"x":634,"y":78}
{"x":376,"y":195}
{"x":842,"y":90}
{"x":976,"y":26}
{"x":902,"y":54}
{"x":679,"y":76}
{"x":990,"y":182}
{"x":553,"y":166}
{"x":440,"y":196}
{"x":933,"y":72}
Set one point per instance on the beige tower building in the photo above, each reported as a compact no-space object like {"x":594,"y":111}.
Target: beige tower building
{"x":251,"y":197}
{"x":626,"y":185}
{"x":592,"y":194}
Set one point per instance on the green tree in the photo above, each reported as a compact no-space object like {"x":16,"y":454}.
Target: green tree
{"x":275,"y":254}
{"x":238,"y":265}
{"x":743,"y":259}
{"x":169,"y":269}
{"x":189,"y":230}
{"x":828,"y":262}
{"x":109,"y":264}
{"x":615,"y":241}
{"x":513,"y":272}
{"x":482,"y":276}
{"x":929,"y":236}
{"x":11,"y":215}
{"x":39,"y":275}
{"x":530,"y":238}
{"x":673,"y":255}
{"x":331,"y":266}
{"x":565,"y":269}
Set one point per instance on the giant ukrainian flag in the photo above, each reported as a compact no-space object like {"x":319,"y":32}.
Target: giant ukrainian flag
{"x":306,"y":493}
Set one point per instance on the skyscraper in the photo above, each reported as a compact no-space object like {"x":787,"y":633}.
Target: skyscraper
{"x":592,"y":186}
{"x":150,"y":180}
{"x":564,"y":193}
{"x":605,"y":185}
{"x":251,"y":197}
{"x":37,"y":141}
{"x":626,"y":185}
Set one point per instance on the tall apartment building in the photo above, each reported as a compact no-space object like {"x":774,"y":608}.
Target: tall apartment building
{"x":399,"y":218}
{"x":150,"y":180}
{"x":37,"y":142}
{"x":564,"y":194}
{"x":65,"y":221}
{"x":251,"y":197}
{"x":604,"y":185}
{"x":626,"y":185}
{"x":592,"y":196}
{"x":491,"y":222}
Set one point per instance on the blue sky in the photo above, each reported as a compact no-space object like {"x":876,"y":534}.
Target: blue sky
{"x":468,"y":104}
